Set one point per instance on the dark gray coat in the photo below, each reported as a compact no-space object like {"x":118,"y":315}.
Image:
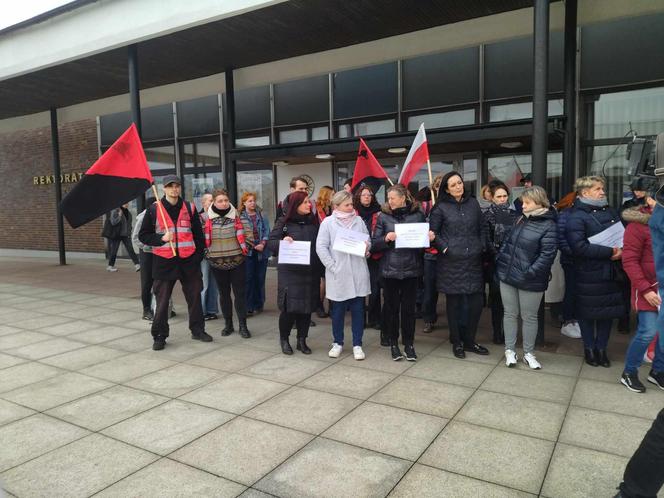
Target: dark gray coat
{"x":461,"y":239}
{"x":298,"y":285}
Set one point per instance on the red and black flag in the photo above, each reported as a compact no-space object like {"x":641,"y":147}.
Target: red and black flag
{"x":368,"y":170}
{"x":120,"y":175}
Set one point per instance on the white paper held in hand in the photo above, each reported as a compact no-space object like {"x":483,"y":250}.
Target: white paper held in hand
{"x":294,"y":253}
{"x":610,"y":237}
{"x":411,"y":235}
{"x":350,"y":242}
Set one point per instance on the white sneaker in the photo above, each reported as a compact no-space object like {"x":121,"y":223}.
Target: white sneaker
{"x":530,"y":360}
{"x":358,"y":354}
{"x":510,"y":358}
{"x":111,"y":268}
{"x":137,"y":267}
{"x":571,"y":330}
{"x":335,"y":351}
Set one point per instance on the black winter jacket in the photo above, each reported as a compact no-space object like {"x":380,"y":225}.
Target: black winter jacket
{"x":298,"y":285}
{"x":500,"y":220}
{"x":526,"y":256}
{"x":397,"y":263}
{"x":597,"y":295}
{"x":461,"y":239}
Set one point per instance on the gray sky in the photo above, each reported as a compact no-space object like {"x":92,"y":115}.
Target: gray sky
{"x":15,"y":12}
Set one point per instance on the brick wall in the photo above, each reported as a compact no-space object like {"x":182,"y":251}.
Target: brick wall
{"x":27,"y":211}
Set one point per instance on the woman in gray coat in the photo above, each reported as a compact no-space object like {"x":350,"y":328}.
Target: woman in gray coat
{"x":346,"y":275}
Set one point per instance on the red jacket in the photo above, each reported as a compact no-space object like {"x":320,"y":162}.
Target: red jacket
{"x":637,"y":257}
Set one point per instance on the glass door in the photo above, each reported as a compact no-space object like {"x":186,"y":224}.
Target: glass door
{"x":201,"y":167}
{"x":258,"y":179}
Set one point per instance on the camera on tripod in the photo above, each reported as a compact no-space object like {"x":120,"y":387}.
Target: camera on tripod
{"x":646,"y":163}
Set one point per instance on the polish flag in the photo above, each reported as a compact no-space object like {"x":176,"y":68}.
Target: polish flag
{"x":417,"y":157}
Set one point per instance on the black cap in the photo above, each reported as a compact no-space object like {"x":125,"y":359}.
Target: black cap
{"x":526,"y":178}
{"x":168,"y":179}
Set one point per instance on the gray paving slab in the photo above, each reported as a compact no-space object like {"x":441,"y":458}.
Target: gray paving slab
{"x":235,"y":393}
{"x":378,"y":358}
{"x":38,"y":322}
{"x":553,"y":363}
{"x":426,"y":396}
{"x":422,"y":480}
{"x":603,"y":431}
{"x":511,"y":460}
{"x":231,"y":358}
{"x":254,"y":493}
{"x":26,"y":373}
{"x":316,"y":410}
{"x":530,"y":384}
{"x":126,"y":368}
{"x":243,"y":450}
{"x":87,"y":313}
{"x":9,"y":412}
{"x":176,"y":380}
{"x":103,"y":333}
{"x":134,"y":343}
{"x":7,"y":360}
{"x":579,"y":473}
{"x":83,"y":357}
{"x":495,"y":355}
{"x":22,"y":338}
{"x":182,"y":349}
{"x":348,"y":471}
{"x":451,"y":371}
{"x":615,"y":398}
{"x":529,"y":417}
{"x":348,"y":381}
{"x":79,"y":469}
{"x":106,"y":408}
{"x":7,"y":329}
{"x":33,"y":436}
{"x":153,"y":430}
{"x":47,"y":348}
{"x":401,"y":433}
{"x":169,"y":479}
{"x":286,"y":369}
{"x":68,"y":328}
{"x":611,"y":374}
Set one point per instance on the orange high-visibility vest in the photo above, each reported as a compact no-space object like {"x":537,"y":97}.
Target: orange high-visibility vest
{"x":184,"y":238}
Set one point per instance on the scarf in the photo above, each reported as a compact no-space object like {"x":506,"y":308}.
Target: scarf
{"x":221,"y":212}
{"x":366,"y":212}
{"x":594,"y":202}
{"x":535,"y":212}
{"x":346,"y":219}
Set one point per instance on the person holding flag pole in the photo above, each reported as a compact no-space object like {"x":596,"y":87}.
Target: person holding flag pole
{"x":418,"y":156}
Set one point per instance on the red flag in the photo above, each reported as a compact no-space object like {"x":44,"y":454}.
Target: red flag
{"x":120,"y":175}
{"x":417,"y":157}
{"x":366,"y":166}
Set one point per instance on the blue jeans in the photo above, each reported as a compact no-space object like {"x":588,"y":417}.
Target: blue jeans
{"x":645,"y":333}
{"x":338,"y":312}
{"x":256,"y":270}
{"x":210,"y":292}
{"x":598,"y":339}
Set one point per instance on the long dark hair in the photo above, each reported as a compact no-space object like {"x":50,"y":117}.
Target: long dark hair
{"x":442,"y":190}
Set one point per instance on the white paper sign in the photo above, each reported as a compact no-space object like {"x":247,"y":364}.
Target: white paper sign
{"x":350,"y":242}
{"x":611,"y":237}
{"x":411,"y":235}
{"x":294,"y":253}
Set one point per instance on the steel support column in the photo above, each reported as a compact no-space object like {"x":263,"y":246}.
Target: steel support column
{"x":230,"y":170}
{"x":569,"y":146}
{"x":540,"y":90}
{"x":135,"y":102}
{"x":55,"y":144}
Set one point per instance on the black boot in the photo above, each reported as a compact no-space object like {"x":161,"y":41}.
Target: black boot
{"x":498,"y":337}
{"x":384,"y":341}
{"x":589,"y":355}
{"x":302,"y":345}
{"x":228,"y":328}
{"x":244,"y":331}
{"x":286,"y":347}
{"x":602,"y":358}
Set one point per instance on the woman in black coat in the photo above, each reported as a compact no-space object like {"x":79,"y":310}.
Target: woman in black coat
{"x":298,"y":289}
{"x":523,"y":267}
{"x":400,"y":269}
{"x":597,"y":295}
{"x":366,"y":205}
{"x":461,"y":239}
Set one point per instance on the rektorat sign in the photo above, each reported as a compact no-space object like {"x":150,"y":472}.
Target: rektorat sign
{"x":64,"y":178}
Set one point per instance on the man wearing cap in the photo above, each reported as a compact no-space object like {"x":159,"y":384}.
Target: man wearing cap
{"x":172,"y":228}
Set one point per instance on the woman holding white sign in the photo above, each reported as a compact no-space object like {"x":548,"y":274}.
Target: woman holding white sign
{"x":400,"y":267}
{"x":343,"y":246}
{"x":298,"y":290}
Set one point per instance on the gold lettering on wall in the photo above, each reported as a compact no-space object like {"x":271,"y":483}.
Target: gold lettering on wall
{"x":64,"y":178}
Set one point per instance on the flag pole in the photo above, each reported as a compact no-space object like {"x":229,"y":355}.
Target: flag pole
{"x":160,"y":208}
{"x":391,"y":184}
{"x":433,"y":195}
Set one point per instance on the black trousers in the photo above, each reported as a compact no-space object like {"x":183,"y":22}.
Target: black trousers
{"x":237,"y":280}
{"x":373,"y":309}
{"x":497,"y":310}
{"x":114,"y":245}
{"x":644,"y":474}
{"x":146,"y":279}
{"x":463,"y":315}
{"x":192,"y":285}
{"x":302,"y":322}
{"x":399,"y":308}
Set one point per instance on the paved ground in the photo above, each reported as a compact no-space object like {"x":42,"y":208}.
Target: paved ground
{"x":87,"y":408}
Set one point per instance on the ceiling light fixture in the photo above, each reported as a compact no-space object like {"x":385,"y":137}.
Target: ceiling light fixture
{"x":396,"y":150}
{"x":324,"y":156}
{"x":511,"y":145}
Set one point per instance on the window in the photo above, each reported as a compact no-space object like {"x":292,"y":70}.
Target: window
{"x":610,"y":161}
{"x":442,"y":119}
{"x":320,"y":133}
{"x":256,"y":141}
{"x":613,"y":115}
{"x":258,"y":179}
{"x":293,"y":136}
{"x":202,"y":170}
{"x":510,"y":169}
{"x":522,"y":110}
{"x":367,"y":128}
{"x":161,"y":159}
